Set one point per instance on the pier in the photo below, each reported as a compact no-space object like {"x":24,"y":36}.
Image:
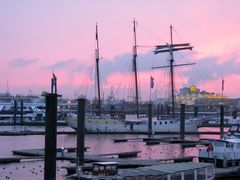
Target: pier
{"x":131,"y":160}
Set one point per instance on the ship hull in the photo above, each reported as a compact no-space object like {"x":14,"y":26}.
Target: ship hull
{"x":116,"y":125}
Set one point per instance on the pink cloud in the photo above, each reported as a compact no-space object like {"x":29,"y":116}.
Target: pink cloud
{"x":231,"y":85}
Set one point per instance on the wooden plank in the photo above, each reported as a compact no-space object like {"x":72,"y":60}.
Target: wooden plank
{"x":178,"y":159}
{"x":6,"y":160}
{"x":122,"y":154}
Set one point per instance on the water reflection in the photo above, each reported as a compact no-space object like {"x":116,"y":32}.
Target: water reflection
{"x":97,"y":143}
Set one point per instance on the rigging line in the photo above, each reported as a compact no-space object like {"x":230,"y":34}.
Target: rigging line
{"x":178,"y":35}
{"x":169,"y":86}
{"x":145,"y":46}
{"x":161,"y":87}
{"x":115,"y":37}
{"x":166,"y":79}
{"x":119,"y":84}
{"x":204,"y":77}
{"x":113,"y":24}
{"x":139,"y":82}
{"x":84,"y":80}
{"x":90,"y":73}
{"x":125,"y":73}
{"x":153,"y":34}
{"x":155,"y":24}
{"x":216,"y":85}
{"x":129,"y":81}
{"x":129,"y":88}
{"x":184,"y":56}
{"x":205,"y":72}
{"x":203,"y":69}
{"x":162,"y":84}
{"x":201,"y":74}
{"x":181,"y":79}
{"x":181,"y":53}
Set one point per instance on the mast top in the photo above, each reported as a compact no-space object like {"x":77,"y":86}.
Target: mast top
{"x":135,"y":39}
{"x":171,"y":40}
{"x":97,"y":44}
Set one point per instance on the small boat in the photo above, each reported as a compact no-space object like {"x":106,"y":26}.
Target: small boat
{"x":31,"y":107}
{"x":223,"y":153}
{"x":111,"y":171}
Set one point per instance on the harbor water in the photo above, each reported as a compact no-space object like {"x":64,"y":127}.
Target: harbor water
{"x":97,"y":143}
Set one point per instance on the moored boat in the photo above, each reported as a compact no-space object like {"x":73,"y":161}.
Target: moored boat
{"x":132,"y":124}
{"x":222,"y":153}
{"x":105,"y":123}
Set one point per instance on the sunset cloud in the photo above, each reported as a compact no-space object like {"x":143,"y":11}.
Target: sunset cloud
{"x":22,"y":62}
{"x":37,"y":39}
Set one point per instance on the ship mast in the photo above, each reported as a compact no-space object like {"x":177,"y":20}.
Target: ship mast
{"x":135,"y":67}
{"x":172,"y":72}
{"x":97,"y":72}
{"x":171,"y":48}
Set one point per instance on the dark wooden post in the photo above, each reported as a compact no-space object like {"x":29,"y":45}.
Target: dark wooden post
{"x":14,"y":111}
{"x":221,"y":121}
{"x":21,"y":117}
{"x":80,"y":131}
{"x":50,"y":137}
{"x":149,"y":119}
{"x":195,"y":111}
{"x":182,"y":122}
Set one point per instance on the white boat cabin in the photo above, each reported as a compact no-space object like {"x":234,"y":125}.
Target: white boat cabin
{"x":222,"y":153}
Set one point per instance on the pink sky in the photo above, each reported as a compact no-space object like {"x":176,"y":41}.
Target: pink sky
{"x":39,"y":36}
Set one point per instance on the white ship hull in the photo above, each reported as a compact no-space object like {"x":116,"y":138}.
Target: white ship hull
{"x":133,"y":125}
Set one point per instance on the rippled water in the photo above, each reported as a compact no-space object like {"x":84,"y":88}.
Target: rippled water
{"x":97,"y":143}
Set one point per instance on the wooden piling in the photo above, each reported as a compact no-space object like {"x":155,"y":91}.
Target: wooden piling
{"x":21,"y":115}
{"x":15,"y":112}
{"x":150,"y":119}
{"x":221,"y":121}
{"x":182,"y":122}
{"x":195,"y":111}
{"x":80,"y":130}
{"x":50,"y":137}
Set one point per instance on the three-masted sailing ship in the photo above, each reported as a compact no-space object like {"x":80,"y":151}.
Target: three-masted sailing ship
{"x":133,"y":123}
